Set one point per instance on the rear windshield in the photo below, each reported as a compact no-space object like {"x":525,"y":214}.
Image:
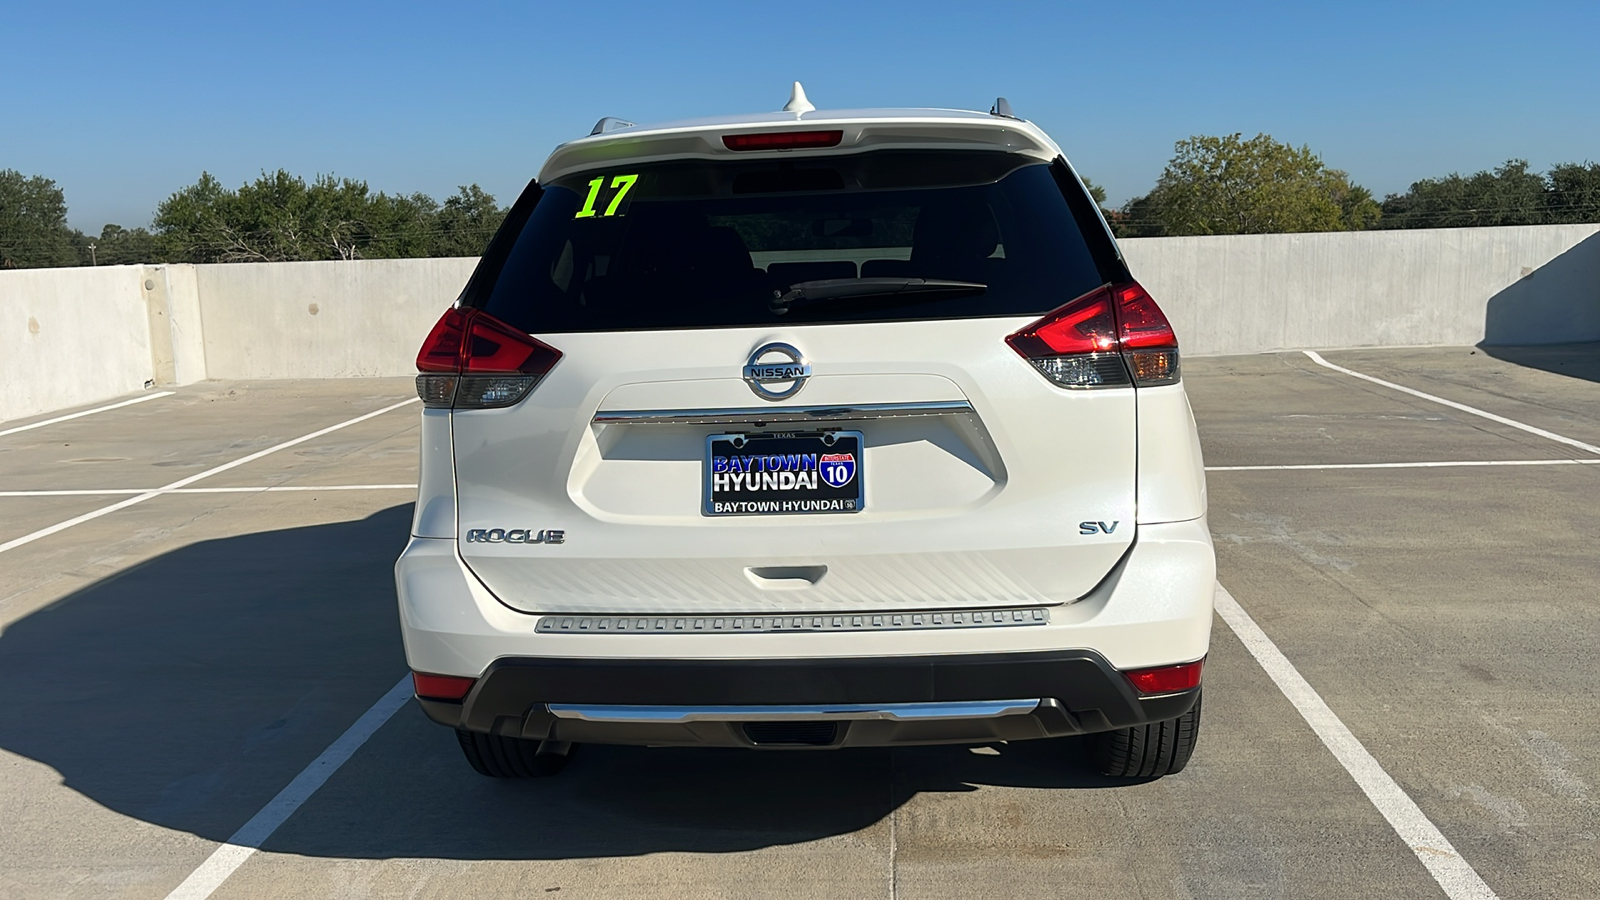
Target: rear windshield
{"x":696,"y":244}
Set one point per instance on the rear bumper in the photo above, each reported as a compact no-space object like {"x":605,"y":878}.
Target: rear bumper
{"x":1154,"y":609}
{"x":599,"y":700}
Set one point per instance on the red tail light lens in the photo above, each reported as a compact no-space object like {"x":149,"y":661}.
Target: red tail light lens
{"x":492,"y":346}
{"x":1086,"y":325}
{"x":1101,"y":339}
{"x":441,"y":352}
{"x":472,"y":360}
{"x":1166,"y":679}
{"x":1148,"y":344}
{"x":441,"y":687}
{"x":1141,"y":323}
{"x":783,"y":140}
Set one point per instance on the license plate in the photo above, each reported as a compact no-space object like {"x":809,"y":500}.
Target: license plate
{"x":783,"y":474}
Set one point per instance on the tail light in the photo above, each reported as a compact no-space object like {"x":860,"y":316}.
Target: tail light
{"x":471,"y":360}
{"x":1166,"y":679}
{"x":441,"y":687}
{"x":1110,"y":337}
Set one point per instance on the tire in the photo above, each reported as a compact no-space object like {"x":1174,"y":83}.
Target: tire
{"x":1149,"y":751}
{"x":498,"y":756}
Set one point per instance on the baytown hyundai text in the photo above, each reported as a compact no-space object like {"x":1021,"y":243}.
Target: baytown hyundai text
{"x":807,"y":429}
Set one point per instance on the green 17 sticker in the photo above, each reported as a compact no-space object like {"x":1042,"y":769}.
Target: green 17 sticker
{"x":621,"y":184}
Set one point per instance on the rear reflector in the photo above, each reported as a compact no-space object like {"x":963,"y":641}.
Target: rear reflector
{"x":441,"y":687}
{"x":1166,"y":679}
{"x":782,"y":140}
{"x":1105,"y":338}
{"x":471,"y":360}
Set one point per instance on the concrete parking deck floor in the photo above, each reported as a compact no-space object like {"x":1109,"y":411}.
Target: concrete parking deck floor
{"x":168,"y":667}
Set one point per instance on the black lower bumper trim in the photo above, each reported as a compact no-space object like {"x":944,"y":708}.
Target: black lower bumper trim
{"x":1083,"y":692}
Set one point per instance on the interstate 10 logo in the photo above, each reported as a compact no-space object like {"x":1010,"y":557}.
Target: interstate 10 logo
{"x":837,"y":469}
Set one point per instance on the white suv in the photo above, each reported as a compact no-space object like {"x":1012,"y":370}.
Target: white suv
{"x":807,"y":429}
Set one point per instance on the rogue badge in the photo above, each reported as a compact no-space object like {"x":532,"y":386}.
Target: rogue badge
{"x":516,"y":536}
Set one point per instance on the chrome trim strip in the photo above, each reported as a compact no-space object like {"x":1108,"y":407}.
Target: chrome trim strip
{"x":773,"y":415}
{"x":896,"y":712}
{"x":916,"y":620}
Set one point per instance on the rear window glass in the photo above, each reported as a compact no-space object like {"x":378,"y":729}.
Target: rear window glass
{"x":696,"y":244}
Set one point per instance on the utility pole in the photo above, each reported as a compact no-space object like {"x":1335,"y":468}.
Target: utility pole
{"x":92,"y":260}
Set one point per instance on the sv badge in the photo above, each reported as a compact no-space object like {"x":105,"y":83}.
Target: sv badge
{"x":1097,"y":527}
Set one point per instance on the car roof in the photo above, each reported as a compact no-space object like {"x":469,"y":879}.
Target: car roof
{"x":623,"y":144}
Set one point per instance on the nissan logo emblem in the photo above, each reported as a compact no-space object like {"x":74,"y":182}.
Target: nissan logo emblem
{"x":776,"y":363}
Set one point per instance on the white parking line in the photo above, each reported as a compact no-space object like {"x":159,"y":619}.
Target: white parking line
{"x":1411,"y":465}
{"x":184,"y":482}
{"x":251,"y":835}
{"x":1560,"y":438}
{"x":261,"y":489}
{"x":1455,"y":875}
{"x":87,"y":412}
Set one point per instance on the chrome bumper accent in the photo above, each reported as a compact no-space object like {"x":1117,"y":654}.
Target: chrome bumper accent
{"x":784,"y":415}
{"x":555,"y":623}
{"x":922,"y":712}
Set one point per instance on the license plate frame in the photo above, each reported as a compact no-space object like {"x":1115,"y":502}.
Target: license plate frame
{"x":839,"y":489}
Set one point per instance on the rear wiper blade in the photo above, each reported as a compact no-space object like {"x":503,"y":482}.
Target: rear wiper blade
{"x":827,"y":290}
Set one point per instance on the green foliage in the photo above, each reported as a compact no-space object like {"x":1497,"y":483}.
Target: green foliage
{"x":33,"y":223}
{"x":279,"y":217}
{"x":467,"y":221}
{"x":1095,"y":191}
{"x":1510,"y":195}
{"x":1574,"y":193}
{"x":1138,"y":218}
{"x":117,"y":246}
{"x":1228,"y":185}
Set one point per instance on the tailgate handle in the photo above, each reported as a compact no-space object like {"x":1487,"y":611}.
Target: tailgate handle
{"x":784,"y":578}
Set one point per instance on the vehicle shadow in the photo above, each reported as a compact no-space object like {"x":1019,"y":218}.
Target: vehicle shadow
{"x":1572,"y":360}
{"x":188,"y":690}
{"x":1539,"y":320}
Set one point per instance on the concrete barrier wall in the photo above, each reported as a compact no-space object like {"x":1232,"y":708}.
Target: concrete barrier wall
{"x":323,"y":319}
{"x":70,"y":337}
{"x":1254,"y":293}
{"x":74,"y":336}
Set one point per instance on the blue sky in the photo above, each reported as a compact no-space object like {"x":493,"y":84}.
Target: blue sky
{"x":122,"y":104}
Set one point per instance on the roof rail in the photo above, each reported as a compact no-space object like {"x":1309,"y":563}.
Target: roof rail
{"x":1002,"y":107}
{"x":610,"y":123}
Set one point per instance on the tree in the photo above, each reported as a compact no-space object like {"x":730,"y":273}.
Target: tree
{"x":198,"y":224}
{"x":466,"y":223}
{"x":276,"y":218}
{"x":118,"y":246}
{"x":1510,"y":195}
{"x":1095,"y":191}
{"x":400,"y":226}
{"x":281,"y":217}
{"x":1574,"y":193}
{"x":33,"y":223}
{"x":1138,"y":218}
{"x":1227,"y":185}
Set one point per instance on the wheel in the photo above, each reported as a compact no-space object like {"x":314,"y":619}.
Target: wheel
{"x":1149,"y":751}
{"x":498,"y":756}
